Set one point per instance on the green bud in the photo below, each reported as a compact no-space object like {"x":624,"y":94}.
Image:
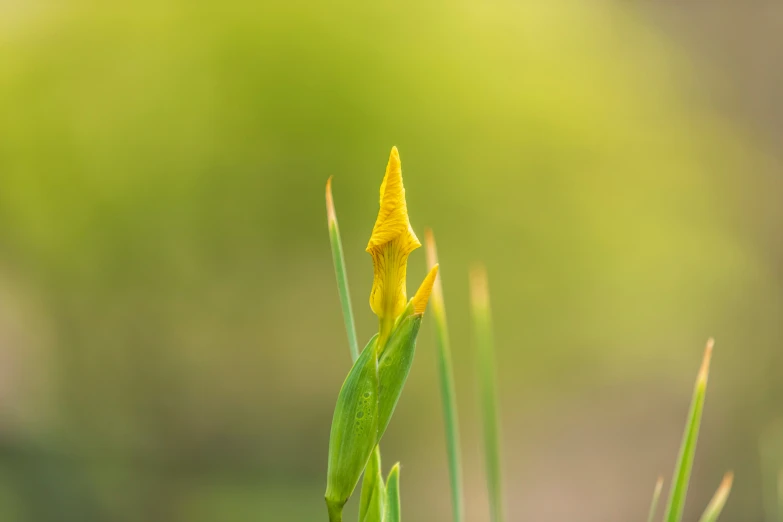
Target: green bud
{"x":393,"y":495}
{"x":394,"y":366}
{"x":354,"y":430}
{"x":373,"y":501}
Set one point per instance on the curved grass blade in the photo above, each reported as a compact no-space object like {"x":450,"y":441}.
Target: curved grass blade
{"x":339,"y":270}
{"x":682,"y":470}
{"x":447,"y":391}
{"x":482,"y":320}
{"x":655,"y":499}
{"x":393,"y":495}
{"x":715,"y":506}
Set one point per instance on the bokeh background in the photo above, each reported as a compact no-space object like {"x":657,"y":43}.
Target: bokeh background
{"x":171,"y":344}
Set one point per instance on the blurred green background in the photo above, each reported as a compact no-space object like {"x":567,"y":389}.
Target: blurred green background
{"x":171,"y":344}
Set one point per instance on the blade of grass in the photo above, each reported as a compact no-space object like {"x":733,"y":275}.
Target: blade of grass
{"x":339,"y":270}
{"x":447,"y":391}
{"x":482,"y":323}
{"x":655,"y":498}
{"x":682,"y":470}
{"x":712,"y":512}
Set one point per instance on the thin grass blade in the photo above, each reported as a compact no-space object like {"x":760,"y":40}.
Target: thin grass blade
{"x":655,"y":498}
{"x":482,"y":323}
{"x":715,"y":506}
{"x":682,"y":470}
{"x":393,"y":495}
{"x":447,"y":389}
{"x":340,"y":272}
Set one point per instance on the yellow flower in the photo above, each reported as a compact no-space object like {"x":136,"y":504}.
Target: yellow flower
{"x":391,"y":243}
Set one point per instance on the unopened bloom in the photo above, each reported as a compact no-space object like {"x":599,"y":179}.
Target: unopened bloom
{"x":391,"y":242}
{"x":374,"y":385}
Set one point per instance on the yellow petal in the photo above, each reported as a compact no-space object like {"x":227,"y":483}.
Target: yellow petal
{"x":391,"y":243}
{"x":423,"y":293}
{"x":392,"y":222}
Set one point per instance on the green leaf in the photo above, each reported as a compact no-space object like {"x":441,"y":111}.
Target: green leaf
{"x":373,"y":499}
{"x":447,"y":391}
{"x":715,"y":506}
{"x":655,"y":499}
{"x":482,"y":321}
{"x":340,"y":272}
{"x":393,"y":495}
{"x":394,"y":366}
{"x":682,"y":470}
{"x":354,"y":431}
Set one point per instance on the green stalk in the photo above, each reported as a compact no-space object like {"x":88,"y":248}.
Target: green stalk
{"x":447,"y":390}
{"x":682,"y":470}
{"x":339,"y":270}
{"x":715,"y":506}
{"x":656,"y":497}
{"x":482,"y":319}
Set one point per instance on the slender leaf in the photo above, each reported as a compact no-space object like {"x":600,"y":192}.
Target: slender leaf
{"x":655,"y":498}
{"x":447,"y":389}
{"x":715,"y":506}
{"x":482,"y":319}
{"x":682,"y":470}
{"x":393,"y":495}
{"x":340,"y":272}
